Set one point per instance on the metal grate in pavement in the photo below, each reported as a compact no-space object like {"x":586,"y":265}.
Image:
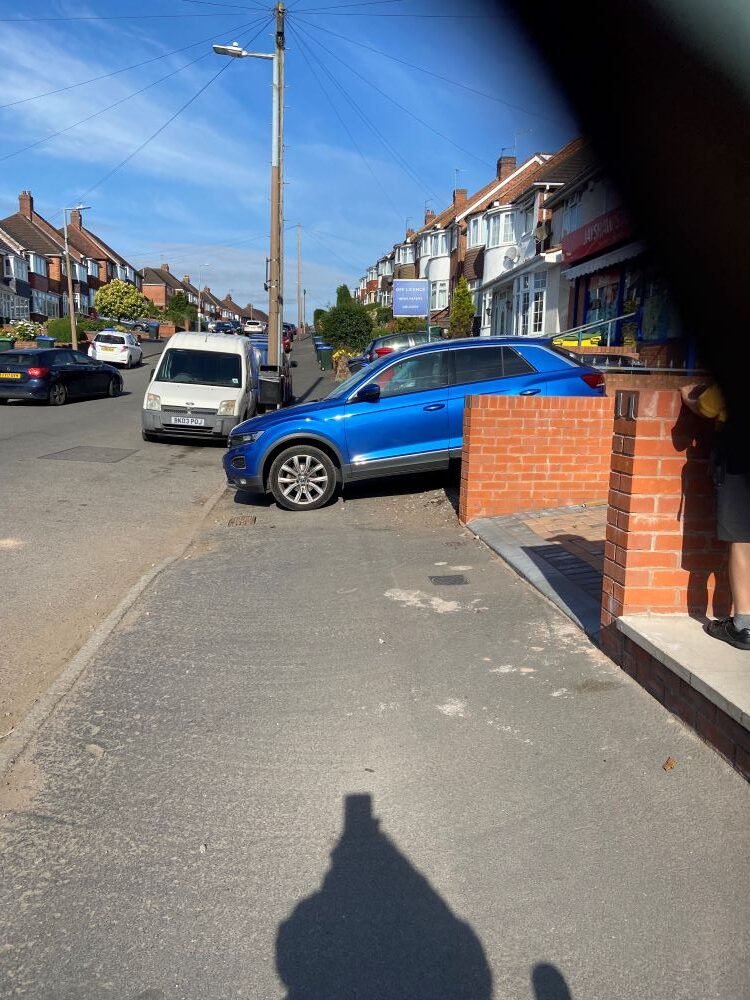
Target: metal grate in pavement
{"x":241,"y":521}
{"x":451,"y":580}
{"x":86,"y":453}
{"x":571,"y":566}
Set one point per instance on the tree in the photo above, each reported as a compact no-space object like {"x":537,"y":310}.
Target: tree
{"x":319,"y":320}
{"x":181,"y":310}
{"x":343,"y":295}
{"x":348,"y":326}
{"x":121,"y":300}
{"x":462,"y":310}
{"x":410,"y":324}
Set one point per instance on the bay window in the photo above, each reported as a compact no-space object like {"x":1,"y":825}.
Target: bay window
{"x":476,"y":233}
{"x":474,"y":289}
{"x":501,"y":230}
{"x":44,"y":303}
{"x":38,"y":264}
{"x":438,"y":295}
{"x":438,"y":244}
{"x":572,"y":214}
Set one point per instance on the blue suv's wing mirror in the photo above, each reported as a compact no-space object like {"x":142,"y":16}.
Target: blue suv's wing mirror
{"x":368,"y":393}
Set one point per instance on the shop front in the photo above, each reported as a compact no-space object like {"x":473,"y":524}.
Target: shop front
{"x":615,"y":290}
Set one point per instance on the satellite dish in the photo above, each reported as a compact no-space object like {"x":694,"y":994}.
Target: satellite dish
{"x":512,"y":254}
{"x":541,"y":232}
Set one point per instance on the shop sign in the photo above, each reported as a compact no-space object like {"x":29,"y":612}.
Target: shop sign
{"x":411,"y":297}
{"x":602,"y":232}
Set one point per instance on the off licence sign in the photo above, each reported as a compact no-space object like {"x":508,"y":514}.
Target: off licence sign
{"x":411,"y":297}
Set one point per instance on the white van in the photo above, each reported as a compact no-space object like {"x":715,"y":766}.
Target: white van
{"x":203,"y":385}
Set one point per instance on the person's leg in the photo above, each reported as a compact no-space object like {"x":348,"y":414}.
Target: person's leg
{"x":739,"y":581}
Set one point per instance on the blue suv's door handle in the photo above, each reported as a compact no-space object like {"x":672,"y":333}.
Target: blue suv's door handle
{"x":435,"y":406}
{"x":529,"y":392}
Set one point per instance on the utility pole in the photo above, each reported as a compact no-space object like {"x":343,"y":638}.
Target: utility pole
{"x":304,"y":310}
{"x":71,"y":297}
{"x":299,"y":279}
{"x":276,"y":283}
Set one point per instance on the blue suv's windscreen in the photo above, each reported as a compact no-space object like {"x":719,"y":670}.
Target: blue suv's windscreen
{"x":200,"y":367}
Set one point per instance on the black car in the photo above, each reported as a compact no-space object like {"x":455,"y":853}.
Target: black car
{"x":224,"y":326}
{"x":55,"y":376}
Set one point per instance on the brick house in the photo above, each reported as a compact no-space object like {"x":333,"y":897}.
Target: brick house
{"x":15,"y":290}
{"x":160,"y":285}
{"x":103,"y":263}
{"x":522,"y":288}
{"x":44,"y":248}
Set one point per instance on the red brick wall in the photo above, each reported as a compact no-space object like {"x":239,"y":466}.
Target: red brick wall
{"x":526,"y":453}
{"x":634,"y":380}
{"x":157,"y":294}
{"x":661,"y":555}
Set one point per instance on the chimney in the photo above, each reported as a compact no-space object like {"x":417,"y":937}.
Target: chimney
{"x":505,"y":167}
{"x":429,"y":215}
{"x":460,"y":195}
{"x":26,"y":204}
{"x":186,"y":279}
{"x":164,"y":267}
{"x":75,"y":218}
{"x":409,"y":233}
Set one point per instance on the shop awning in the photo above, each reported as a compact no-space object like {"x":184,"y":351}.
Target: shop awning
{"x":605,"y":260}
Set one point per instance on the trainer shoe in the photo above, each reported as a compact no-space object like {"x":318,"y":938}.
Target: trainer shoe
{"x":725,"y":630}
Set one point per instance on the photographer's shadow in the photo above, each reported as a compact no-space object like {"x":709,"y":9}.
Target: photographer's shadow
{"x":376,"y":929}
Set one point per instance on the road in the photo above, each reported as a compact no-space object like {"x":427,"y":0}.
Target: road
{"x":304,"y":765}
{"x":77,"y":534}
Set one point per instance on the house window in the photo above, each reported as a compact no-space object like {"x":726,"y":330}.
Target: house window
{"x":7,"y":267}
{"x":424,"y":246}
{"x":93,"y":268}
{"x":572,"y":214}
{"x":476,"y":233}
{"x":529,"y":304}
{"x":474,"y":289}
{"x":38,"y":264}
{"x":439,"y":244}
{"x":454,"y":237}
{"x":438,"y":295}
{"x":45,"y":303}
{"x":527,"y":219}
{"x":501,"y":230}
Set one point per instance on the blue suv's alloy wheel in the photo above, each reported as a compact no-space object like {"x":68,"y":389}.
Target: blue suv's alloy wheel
{"x":302,"y":478}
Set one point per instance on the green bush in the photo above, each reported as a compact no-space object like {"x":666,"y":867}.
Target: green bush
{"x":348,"y":326}
{"x":60,"y":328}
{"x":319,"y":320}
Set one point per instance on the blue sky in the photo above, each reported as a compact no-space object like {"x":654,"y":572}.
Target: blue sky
{"x":197,"y":194}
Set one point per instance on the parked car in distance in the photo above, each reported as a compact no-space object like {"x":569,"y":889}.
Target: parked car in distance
{"x":54,"y":376}
{"x":203,"y":385}
{"x":116,"y":348}
{"x":252,"y":326}
{"x":401,"y":414}
{"x":290,"y":330}
{"x":392,"y":343}
{"x":223,"y":326}
{"x":260,"y":343}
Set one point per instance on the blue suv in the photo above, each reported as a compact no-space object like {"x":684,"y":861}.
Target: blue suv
{"x":403,"y":413}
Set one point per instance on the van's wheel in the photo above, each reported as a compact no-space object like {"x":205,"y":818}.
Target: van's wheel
{"x":302,"y":478}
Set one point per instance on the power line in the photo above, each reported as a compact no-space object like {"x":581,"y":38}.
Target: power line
{"x":429,"y":72}
{"x":403,"y":163}
{"x":109,"y":107}
{"x":124,"y":69}
{"x":406,"y":110}
{"x":113,"y":17}
{"x":344,"y":125}
{"x":351,"y":13}
{"x":234,"y":6}
{"x":169,"y":121}
{"x":360,"y":3}
{"x":349,"y":264}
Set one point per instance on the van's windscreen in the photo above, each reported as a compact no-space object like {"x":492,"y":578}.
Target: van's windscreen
{"x":200,"y":367}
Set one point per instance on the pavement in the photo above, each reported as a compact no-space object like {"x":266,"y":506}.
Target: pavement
{"x":559,"y":551}
{"x":349,"y":755}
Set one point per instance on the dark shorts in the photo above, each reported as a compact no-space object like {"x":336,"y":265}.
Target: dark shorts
{"x":733,"y":508}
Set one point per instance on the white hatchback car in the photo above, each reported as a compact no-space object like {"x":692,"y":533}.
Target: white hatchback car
{"x":116,"y":348}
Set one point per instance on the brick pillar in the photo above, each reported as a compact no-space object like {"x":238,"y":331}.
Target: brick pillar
{"x":661,"y":553}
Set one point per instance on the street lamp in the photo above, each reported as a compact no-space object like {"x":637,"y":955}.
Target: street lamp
{"x":71,"y":298}
{"x":276,"y":275}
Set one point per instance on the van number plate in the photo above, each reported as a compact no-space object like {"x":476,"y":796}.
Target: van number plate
{"x":189,"y":421}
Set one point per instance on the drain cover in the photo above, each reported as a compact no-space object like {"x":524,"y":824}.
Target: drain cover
{"x":89,"y":454}
{"x":241,"y":521}
{"x":452,"y":580}
{"x":455,"y":544}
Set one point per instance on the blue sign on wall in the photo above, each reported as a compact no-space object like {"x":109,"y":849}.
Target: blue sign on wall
{"x":411,"y":297}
